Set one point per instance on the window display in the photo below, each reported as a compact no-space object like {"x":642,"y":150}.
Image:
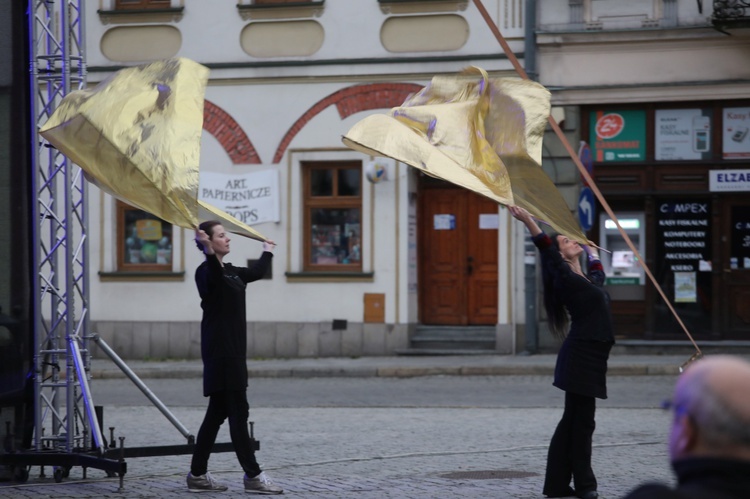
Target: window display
{"x":338,"y":242}
{"x":333,"y":200}
{"x":144,"y":241}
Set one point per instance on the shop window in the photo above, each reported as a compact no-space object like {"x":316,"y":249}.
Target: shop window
{"x":332,"y":216}
{"x":739,"y":254}
{"x":144,"y":242}
{"x":273,"y":2}
{"x":141,"y":4}
{"x":279,"y":9}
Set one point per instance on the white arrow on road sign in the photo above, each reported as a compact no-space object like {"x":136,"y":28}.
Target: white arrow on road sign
{"x":586,"y":209}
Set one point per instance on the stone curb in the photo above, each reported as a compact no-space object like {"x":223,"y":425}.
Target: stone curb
{"x":386,"y":372}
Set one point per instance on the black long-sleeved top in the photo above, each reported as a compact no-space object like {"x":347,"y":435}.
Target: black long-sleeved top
{"x":224,"y":324}
{"x":585,"y":299}
{"x":582,"y":361}
{"x":702,"y":478}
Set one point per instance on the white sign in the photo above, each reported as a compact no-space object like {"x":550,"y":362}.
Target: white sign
{"x":736,"y":138}
{"x":252,"y":198}
{"x":729,"y":180}
{"x":444,"y":222}
{"x":489,"y":221}
{"x":685,"y":287}
{"x":682,"y":134}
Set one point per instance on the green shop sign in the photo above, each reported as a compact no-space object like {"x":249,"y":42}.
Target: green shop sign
{"x":618,"y":135}
{"x":621,"y":281}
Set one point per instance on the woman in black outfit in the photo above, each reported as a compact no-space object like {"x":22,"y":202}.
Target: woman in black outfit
{"x":223,"y":346}
{"x":582,"y":361}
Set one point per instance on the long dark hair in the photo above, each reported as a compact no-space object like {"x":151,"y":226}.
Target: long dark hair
{"x":208,"y":228}
{"x":556,"y":313}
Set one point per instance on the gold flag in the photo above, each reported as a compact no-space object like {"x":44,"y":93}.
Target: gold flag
{"x":137,"y":135}
{"x":480,"y":133}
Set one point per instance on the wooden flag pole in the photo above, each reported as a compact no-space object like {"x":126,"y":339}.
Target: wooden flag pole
{"x":574,"y":156}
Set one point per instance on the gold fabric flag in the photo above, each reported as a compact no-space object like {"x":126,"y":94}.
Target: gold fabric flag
{"x":482,"y":134}
{"x":137,"y":136}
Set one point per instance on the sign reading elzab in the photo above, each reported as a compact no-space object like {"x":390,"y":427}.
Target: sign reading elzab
{"x":729,"y":180}
{"x":252,"y":198}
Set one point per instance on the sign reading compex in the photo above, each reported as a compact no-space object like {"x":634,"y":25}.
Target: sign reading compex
{"x":683,"y":235}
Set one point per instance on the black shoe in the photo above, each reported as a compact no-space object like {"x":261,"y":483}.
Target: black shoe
{"x":591,"y":494}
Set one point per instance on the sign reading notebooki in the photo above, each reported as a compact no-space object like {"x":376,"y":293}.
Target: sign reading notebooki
{"x":684,"y":262}
{"x":252,"y":198}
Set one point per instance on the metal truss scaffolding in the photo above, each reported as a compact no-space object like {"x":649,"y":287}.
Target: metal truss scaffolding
{"x":67,"y":425}
{"x":66,"y":429}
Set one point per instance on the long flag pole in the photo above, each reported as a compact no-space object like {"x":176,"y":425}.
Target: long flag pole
{"x":558,"y":131}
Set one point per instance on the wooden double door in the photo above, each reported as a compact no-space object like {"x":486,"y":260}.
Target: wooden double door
{"x":458,"y":245}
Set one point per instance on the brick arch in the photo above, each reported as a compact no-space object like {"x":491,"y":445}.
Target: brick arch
{"x":351,"y":100}
{"x":230,"y":135}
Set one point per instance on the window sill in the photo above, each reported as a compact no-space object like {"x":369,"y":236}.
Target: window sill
{"x":330,"y":276}
{"x":171,"y":15}
{"x":421,"y":6}
{"x":285,"y":10}
{"x":140,"y":276}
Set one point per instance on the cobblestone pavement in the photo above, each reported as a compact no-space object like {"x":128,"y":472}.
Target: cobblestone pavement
{"x":378,"y":452}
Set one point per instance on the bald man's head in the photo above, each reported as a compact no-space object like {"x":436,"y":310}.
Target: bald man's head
{"x":712,"y":409}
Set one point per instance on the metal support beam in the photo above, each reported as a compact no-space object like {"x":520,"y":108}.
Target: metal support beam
{"x":61,"y":301}
{"x":142,"y":386}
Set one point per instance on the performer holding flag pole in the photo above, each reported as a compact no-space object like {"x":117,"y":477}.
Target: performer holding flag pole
{"x":223,"y":345}
{"x":578,"y":300}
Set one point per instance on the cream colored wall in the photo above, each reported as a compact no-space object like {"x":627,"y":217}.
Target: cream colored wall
{"x":266,"y":101}
{"x":611,"y":65}
{"x":129,"y":43}
{"x":690,"y":61}
{"x":299,"y":38}
{"x":617,"y":59}
{"x":215,"y":31}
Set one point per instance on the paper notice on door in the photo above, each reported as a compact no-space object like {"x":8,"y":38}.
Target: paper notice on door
{"x":489,"y":221}
{"x":444,"y":222}
{"x":685,"y":287}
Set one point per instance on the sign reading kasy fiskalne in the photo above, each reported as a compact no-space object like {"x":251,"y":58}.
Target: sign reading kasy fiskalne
{"x":683,"y":238}
{"x":683,"y":249}
{"x":618,"y":135}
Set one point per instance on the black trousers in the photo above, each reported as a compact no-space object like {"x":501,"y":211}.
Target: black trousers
{"x":232,"y":405}
{"x":569,"y":452}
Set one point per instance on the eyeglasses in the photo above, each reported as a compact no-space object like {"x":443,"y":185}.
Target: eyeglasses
{"x":670,"y":405}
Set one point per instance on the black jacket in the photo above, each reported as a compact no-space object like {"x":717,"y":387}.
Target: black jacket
{"x":582,"y":361}
{"x":224,"y":324}
{"x":702,"y":478}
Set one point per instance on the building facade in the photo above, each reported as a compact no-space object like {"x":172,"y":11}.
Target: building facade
{"x":371,"y":253}
{"x":358,"y":237}
{"x":661,"y":89}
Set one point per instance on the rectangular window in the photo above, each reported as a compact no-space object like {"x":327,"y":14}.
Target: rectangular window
{"x":144,"y":242}
{"x":333,"y":216}
{"x":270,"y":2}
{"x":142,"y":4}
